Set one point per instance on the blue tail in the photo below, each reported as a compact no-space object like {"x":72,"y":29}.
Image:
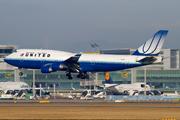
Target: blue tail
{"x":153,"y":46}
{"x":108,"y":78}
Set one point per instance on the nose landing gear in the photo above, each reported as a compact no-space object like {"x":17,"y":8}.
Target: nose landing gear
{"x":20,"y":73}
{"x":82,"y":75}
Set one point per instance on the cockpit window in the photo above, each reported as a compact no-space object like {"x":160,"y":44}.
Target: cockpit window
{"x":15,"y":50}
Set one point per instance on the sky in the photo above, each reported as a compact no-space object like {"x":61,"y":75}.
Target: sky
{"x":70,"y":25}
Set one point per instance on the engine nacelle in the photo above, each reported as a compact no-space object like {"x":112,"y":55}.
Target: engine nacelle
{"x":46,"y":69}
{"x":58,"y":67}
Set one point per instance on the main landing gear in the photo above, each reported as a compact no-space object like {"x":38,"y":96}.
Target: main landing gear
{"x":83,"y":75}
{"x":69,"y":76}
{"x":80,"y":75}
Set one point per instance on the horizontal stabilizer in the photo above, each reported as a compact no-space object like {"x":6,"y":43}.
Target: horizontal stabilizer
{"x":149,"y":59}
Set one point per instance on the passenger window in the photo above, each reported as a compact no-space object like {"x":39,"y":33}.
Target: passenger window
{"x":31,"y":54}
{"x":39,"y":54}
{"x":34,"y":55}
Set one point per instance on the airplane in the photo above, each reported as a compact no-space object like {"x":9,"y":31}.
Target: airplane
{"x":5,"y":86}
{"x":52,"y":60}
{"x":125,"y":89}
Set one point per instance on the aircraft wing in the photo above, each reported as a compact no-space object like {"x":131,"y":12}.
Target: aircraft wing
{"x":73,"y":59}
{"x":72,"y":64}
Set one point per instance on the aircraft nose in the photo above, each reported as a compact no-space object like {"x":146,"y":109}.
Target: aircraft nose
{"x":5,"y":59}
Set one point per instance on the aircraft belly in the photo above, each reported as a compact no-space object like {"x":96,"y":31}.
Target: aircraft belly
{"x":32,"y":64}
{"x":105,"y":66}
{"x":115,"y":91}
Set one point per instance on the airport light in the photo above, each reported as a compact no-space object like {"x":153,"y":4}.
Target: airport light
{"x":33,"y":82}
{"x":94,"y":45}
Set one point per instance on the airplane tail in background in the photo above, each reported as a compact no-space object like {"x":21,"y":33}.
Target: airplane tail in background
{"x":108,"y":78}
{"x":153,"y":46}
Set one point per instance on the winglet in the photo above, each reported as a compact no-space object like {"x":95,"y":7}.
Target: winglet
{"x":153,"y":46}
{"x":79,"y":54}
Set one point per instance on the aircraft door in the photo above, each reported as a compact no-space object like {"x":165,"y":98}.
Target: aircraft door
{"x":127,"y":63}
{"x":43,"y":57}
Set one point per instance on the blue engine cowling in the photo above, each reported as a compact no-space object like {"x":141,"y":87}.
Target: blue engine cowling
{"x":58,"y":67}
{"x":46,"y":69}
{"x":53,"y":67}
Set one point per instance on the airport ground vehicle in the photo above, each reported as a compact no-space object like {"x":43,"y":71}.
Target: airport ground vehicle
{"x":89,"y":98}
{"x":99,"y":94}
{"x":6,"y":97}
{"x":70,"y":97}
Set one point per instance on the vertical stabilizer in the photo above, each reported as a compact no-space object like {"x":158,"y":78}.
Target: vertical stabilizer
{"x":153,"y":46}
{"x":108,"y":78}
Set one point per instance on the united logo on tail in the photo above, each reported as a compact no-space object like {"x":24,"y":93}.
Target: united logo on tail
{"x":153,"y":46}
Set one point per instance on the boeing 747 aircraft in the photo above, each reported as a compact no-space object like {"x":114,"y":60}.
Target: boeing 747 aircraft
{"x":124,"y":89}
{"x":51,"y":60}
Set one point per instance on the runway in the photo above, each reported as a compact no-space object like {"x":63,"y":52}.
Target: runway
{"x":49,"y":105}
{"x":54,"y":109}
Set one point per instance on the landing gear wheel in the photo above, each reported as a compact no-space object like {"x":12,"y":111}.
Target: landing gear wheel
{"x":20,"y":73}
{"x":70,"y":77}
{"x":67,"y":74}
{"x":78,"y":76}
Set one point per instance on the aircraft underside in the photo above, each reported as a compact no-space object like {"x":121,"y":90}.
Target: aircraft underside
{"x":82,"y":67}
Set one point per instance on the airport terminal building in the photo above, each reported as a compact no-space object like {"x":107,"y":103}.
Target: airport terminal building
{"x":164,"y":76}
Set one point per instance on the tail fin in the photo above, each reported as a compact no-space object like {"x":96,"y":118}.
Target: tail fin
{"x":108,"y":78}
{"x":153,"y":46}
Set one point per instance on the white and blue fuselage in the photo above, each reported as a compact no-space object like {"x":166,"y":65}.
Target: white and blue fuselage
{"x":36,"y":59}
{"x":52,"y":60}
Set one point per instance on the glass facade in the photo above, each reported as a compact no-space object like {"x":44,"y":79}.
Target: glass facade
{"x":174,"y":53}
{"x":58,"y":78}
{"x":119,"y":77}
{"x":6,"y":50}
{"x":166,"y":80}
{"x":6,"y":75}
{"x":161,"y":79}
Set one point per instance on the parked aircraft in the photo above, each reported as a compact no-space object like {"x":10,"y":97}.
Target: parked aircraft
{"x":124,"y":89}
{"x":4,"y":86}
{"x":51,"y":60}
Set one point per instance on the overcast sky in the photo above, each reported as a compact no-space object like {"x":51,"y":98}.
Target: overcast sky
{"x":70,"y":25}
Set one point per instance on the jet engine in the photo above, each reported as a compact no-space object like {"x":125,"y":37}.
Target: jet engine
{"x":46,"y":69}
{"x":58,"y":67}
{"x":52,"y":68}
